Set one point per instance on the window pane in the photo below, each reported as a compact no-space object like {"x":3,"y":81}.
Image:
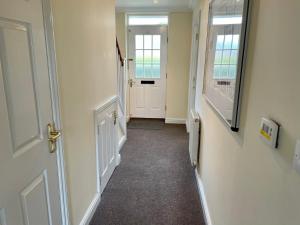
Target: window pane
{"x":235,"y":41}
{"x":139,"y":42}
{"x":139,"y":71}
{"x":232,"y":72}
{"x":156,"y":57}
{"x":218,"y":57}
{"x":217,"y":71}
{"x":147,"y":57}
{"x":224,"y":71}
{"x":147,"y":41}
{"x":148,"y":20}
{"x":139,"y":57}
{"x":148,"y":71}
{"x":156,"y":41}
{"x":220,"y":42}
{"x":156,"y":71}
{"x":226,"y":57}
{"x":228,"y":42}
{"x":234,"y":57}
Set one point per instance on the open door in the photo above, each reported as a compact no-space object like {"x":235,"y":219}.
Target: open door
{"x":29,"y":190}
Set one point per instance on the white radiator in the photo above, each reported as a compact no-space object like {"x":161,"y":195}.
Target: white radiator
{"x":194,"y":137}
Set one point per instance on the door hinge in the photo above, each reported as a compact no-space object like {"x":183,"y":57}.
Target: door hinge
{"x":166,"y":75}
{"x":115,"y":116}
{"x":166,"y":107}
{"x":197,"y":36}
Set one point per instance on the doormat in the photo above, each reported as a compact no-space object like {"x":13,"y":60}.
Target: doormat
{"x":146,"y":124}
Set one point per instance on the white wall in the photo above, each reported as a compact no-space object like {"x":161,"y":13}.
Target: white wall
{"x":86,"y":58}
{"x":246,"y":182}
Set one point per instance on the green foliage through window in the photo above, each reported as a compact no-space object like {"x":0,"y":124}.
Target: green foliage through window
{"x":226,"y":57}
{"x":147,"y":56}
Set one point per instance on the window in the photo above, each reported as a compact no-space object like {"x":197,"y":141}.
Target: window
{"x":147,"y":20}
{"x":147,"y":56}
{"x":227,"y":20}
{"x":226,"y":57}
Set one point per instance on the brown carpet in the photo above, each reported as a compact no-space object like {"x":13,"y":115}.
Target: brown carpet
{"x":154,"y":184}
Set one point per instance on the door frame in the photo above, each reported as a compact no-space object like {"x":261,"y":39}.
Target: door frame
{"x":194,"y":67}
{"x":127,"y":60}
{"x":165,"y":57}
{"x":56,"y":110}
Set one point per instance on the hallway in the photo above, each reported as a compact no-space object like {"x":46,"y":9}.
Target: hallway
{"x":154,"y":184}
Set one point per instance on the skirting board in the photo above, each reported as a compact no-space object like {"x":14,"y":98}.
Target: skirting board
{"x":175,"y":121}
{"x":91,"y":210}
{"x":203,"y":199}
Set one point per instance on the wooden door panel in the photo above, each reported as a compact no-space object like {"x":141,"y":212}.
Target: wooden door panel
{"x":35,"y":198}
{"x":19,"y":84}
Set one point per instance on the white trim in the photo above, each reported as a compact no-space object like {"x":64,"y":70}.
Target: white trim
{"x":107,"y":103}
{"x":88,"y":215}
{"x":54,"y":86}
{"x":175,"y":120}
{"x":122,"y":142}
{"x":150,"y":10}
{"x":187,"y":125}
{"x":194,"y":64}
{"x":202,"y":195}
{"x":193,"y":4}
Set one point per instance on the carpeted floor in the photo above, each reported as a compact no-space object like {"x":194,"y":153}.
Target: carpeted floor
{"x":146,"y":124}
{"x":154,"y":184}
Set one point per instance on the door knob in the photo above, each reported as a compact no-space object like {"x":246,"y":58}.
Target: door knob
{"x":53,"y":135}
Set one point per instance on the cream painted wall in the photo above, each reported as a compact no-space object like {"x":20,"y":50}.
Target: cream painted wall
{"x":85,"y":46}
{"x":246,"y":182}
{"x":121,"y":31}
{"x":179,"y":51}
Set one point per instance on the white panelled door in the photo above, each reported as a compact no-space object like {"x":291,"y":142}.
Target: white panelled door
{"x":29,"y":185}
{"x":106,"y":144}
{"x":147,"y":71}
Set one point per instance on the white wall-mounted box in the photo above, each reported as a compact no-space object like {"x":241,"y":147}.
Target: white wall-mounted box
{"x":269,"y":132}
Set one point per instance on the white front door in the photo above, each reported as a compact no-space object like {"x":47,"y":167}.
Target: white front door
{"x":147,"y":71}
{"x":29,"y":185}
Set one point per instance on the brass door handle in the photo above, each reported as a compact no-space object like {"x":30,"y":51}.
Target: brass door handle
{"x":53,"y":135}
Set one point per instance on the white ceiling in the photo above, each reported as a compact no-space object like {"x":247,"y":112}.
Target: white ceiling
{"x":154,"y":5}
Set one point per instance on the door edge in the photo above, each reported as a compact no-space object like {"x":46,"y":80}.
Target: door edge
{"x":56,"y":109}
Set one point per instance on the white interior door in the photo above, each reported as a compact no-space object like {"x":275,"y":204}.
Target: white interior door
{"x":107,"y":146}
{"x":147,"y":71}
{"x":29,"y":190}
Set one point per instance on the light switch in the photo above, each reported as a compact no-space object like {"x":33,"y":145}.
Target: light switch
{"x":297,"y":157}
